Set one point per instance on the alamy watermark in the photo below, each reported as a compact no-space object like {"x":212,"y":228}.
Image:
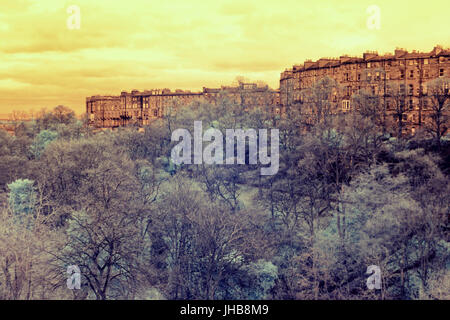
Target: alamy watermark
{"x":374,"y":281}
{"x":74,"y":278}
{"x":374,"y":18}
{"x":74,"y":20}
{"x":213,"y":152}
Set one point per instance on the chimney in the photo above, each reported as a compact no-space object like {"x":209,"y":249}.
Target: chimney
{"x":437,"y":50}
{"x":344,"y":59}
{"x":308,"y":64}
{"x":369,"y":55}
{"x":322,"y":62}
{"x":400,"y":52}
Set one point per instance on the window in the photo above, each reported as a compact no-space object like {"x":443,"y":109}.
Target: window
{"x":441,"y":72}
{"x":388,"y":90}
{"x":425,"y":61}
{"x":377,"y":75}
{"x":411,"y":73}
{"x":345,"y":105}
{"x":359,"y":76}
{"x":368,"y":64}
{"x":348,"y":90}
{"x":402,"y":74}
{"x":411,"y":89}
{"x":155,"y":112}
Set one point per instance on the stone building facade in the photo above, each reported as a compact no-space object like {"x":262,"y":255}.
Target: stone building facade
{"x":373,"y":73}
{"x":376,"y":74}
{"x":141,"y":107}
{"x":104,"y":111}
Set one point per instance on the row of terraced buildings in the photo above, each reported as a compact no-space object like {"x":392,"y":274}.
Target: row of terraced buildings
{"x":410,"y":71}
{"x":141,"y":107}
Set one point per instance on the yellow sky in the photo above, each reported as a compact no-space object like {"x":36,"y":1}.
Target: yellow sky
{"x":188,"y":44}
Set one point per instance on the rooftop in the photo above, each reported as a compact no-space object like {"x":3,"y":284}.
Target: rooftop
{"x":367,"y":56}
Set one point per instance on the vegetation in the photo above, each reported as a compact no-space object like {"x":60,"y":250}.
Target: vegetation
{"x":346,"y":196}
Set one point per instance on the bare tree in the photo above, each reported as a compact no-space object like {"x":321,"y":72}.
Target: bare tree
{"x":321,"y":100}
{"x":438,"y":92}
{"x":397,"y":104}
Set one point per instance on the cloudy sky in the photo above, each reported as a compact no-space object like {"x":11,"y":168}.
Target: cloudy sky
{"x":188,"y":44}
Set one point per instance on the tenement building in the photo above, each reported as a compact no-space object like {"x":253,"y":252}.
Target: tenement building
{"x":140,"y":107}
{"x":386,"y":76}
{"x":397,"y":81}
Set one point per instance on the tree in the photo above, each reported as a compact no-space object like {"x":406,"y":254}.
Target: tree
{"x":25,"y":246}
{"x":13,"y":158}
{"x":384,"y":224}
{"x":321,"y":100}
{"x":397,"y":103}
{"x":41,"y":141}
{"x":438,"y":92}
{"x":22,"y":197}
{"x":204,"y":242}
{"x":106,"y":229}
{"x":370,"y":106}
{"x":49,"y":120}
{"x":63,"y":115}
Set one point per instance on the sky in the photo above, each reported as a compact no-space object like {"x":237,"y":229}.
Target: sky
{"x":190,"y":44}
